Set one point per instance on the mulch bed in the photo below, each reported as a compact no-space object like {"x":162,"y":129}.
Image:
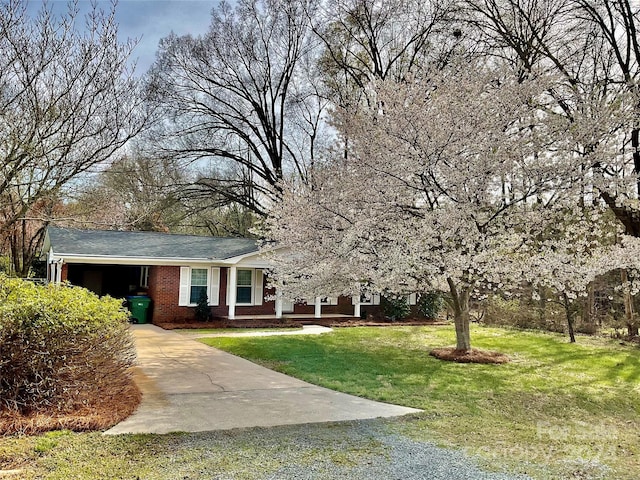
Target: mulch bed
{"x":473,"y":356}
{"x":231,"y":324}
{"x":102,"y":411}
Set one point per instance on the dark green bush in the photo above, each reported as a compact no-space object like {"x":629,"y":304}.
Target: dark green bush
{"x":395,"y":307}
{"x":59,"y":345}
{"x":430,"y":304}
{"x":203,"y":310}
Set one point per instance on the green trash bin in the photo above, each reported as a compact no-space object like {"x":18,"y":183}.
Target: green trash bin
{"x":139,"y":308}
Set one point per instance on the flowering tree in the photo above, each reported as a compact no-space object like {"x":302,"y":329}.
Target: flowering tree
{"x":449,"y":184}
{"x":569,"y":256}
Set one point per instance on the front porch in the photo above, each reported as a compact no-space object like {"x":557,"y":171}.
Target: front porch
{"x":268,"y":321}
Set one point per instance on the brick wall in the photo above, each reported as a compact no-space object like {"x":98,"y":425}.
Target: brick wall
{"x":164,"y":290}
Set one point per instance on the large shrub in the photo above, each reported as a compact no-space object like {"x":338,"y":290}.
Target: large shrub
{"x":60,"y":346}
{"x":395,"y":307}
{"x":430,"y":304}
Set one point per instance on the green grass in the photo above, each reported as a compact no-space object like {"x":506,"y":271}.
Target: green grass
{"x":557,"y":410}
{"x":198,"y":331}
{"x":243,"y":454}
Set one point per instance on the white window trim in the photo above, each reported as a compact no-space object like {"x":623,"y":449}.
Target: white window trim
{"x":144,"y":276}
{"x":213,"y":285}
{"x":373,"y":299}
{"x":328,"y":300}
{"x":253,"y":287}
{"x":412,"y":299}
{"x":323,"y":301}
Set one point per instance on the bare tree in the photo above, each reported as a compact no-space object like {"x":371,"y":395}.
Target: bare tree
{"x":133,"y":193}
{"x":365,"y":40}
{"x":68,"y":103}
{"x":617,"y":25}
{"x":231,"y":99}
{"x":142,"y":193}
{"x":594,"y":49}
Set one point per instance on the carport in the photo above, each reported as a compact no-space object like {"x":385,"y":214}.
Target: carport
{"x":115,"y":280}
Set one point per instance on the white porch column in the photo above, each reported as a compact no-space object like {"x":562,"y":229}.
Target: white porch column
{"x":356,"y":310}
{"x":59,"y":264}
{"x":278,"y":304}
{"x":318,"y":309}
{"x":232,"y":289}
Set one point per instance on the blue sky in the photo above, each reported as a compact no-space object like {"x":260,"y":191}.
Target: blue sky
{"x":148,"y":20}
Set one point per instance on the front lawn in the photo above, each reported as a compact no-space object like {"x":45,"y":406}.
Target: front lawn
{"x":225,"y":331}
{"x":557,"y":410}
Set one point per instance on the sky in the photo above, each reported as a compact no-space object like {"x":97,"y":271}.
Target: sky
{"x":148,"y":21}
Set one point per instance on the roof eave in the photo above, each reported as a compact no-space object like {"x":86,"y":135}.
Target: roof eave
{"x":114,"y":260}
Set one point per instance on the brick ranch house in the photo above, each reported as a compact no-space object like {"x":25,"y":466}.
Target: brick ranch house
{"x":174,"y":271}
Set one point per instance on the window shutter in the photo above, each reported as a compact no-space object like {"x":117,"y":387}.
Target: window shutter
{"x":185,"y":286}
{"x":214,"y":286}
{"x":258,"y":294}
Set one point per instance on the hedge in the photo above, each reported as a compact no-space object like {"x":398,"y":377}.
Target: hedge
{"x":59,"y":346}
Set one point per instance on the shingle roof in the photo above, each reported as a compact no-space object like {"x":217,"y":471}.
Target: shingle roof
{"x":113,"y":243}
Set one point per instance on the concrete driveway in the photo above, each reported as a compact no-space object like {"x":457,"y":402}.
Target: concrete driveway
{"x":189,"y":387}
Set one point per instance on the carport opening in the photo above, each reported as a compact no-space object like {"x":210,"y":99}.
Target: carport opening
{"x":115,"y":280}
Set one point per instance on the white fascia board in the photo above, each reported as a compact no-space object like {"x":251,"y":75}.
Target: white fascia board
{"x":251,"y":259}
{"x":254,"y":259}
{"x":108,"y":260}
{"x":254,"y":262}
{"x":47,"y":249}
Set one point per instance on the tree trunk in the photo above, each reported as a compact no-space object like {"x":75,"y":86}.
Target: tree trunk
{"x":569,"y":312}
{"x":635,"y":147}
{"x":629,"y":310}
{"x":461,"y":319}
{"x":542,"y":307}
{"x":589,"y":310}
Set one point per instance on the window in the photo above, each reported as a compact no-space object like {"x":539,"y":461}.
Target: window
{"x":249,"y":286}
{"x":244,"y":289}
{"x":328,"y":300}
{"x":198,"y":284}
{"x":194,"y":281}
{"x":323,"y":300}
{"x":369,"y":299}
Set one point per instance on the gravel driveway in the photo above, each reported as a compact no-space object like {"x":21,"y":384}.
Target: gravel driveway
{"x":358,"y":450}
